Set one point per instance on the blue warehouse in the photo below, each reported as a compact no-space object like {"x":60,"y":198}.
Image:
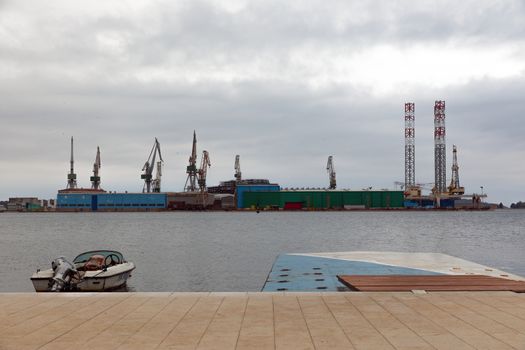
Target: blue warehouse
{"x":86,"y":200}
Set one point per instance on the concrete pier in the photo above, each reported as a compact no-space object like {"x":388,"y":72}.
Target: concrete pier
{"x":280,"y":320}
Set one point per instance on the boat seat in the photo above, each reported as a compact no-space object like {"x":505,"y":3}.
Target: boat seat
{"x":95,"y":262}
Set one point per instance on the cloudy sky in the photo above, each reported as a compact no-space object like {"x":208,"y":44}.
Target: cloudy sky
{"x":284,"y":84}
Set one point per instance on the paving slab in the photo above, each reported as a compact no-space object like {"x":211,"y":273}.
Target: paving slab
{"x":283,"y":320}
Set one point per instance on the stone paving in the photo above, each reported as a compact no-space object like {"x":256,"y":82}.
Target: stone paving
{"x":286,"y":320}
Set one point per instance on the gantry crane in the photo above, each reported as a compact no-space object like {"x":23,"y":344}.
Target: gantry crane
{"x":191,"y":169}
{"x":237,"y":175}
{"x":201,"y":173}
{"x":331,"y":172}
{"x":72,"y":177}
{"x":149,"y":166}
{"x":454,"y":188}
{"x":95,"y":179}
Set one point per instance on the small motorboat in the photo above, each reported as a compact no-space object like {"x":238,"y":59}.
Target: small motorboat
{"x":93,"y":271}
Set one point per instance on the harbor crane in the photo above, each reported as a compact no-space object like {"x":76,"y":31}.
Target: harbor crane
{"x":201,"y":173}
{"x":72,"y":177}
{"x":237,"y":168}
{"x":331,"y":172}
{"x":454,"y":188}
{"x":149,"y":166}
{"x":155,"y":184}
{"x":95,"y":179}
{"x":191,"y":169}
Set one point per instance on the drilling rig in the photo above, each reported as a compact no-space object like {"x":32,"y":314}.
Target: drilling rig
{"x":331,"y":172}
{"x":72,"y":177}
{"x":454,"y":188}
{"x":95,"y":179}
{"x":237,"y":175}
{"x":148,"y":169}
{"x":201,"y":173}
{"x":191,"y":169}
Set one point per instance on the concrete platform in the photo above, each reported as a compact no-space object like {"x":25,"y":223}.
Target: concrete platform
{"x":317,"y":272}
{"x":280,"y":320}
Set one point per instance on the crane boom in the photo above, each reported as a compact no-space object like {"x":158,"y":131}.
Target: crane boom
{"x":95,"y":179}
{"x":191,"y":169}
{"x":331,"y":172}
{"x":149,"y":166}
{"x":238,"y":175}
{"x":72,"y":177}
{"x":156,"y":182}
{"x":202,"y":172}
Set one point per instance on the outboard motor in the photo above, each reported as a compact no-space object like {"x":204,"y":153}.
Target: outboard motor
{"x":63,"y":270}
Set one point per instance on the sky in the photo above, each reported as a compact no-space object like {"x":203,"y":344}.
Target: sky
{"x":283,"y":84}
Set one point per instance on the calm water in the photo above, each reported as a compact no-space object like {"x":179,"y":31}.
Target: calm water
{"x":215,"y":251}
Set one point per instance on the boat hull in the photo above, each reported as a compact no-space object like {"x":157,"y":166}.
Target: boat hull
{"x":93,"y":281}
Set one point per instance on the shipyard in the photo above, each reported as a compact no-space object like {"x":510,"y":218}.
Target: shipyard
{"x":262,"y":175}
{"x":261,"y":194}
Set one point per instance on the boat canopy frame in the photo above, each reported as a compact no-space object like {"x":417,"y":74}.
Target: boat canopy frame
{"x":84,"y":257}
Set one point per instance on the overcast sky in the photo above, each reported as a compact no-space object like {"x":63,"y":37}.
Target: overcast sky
{"x":284,"y":84}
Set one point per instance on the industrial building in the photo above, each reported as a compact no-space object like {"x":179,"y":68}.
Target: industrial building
{"x":24,"y":204}
{"x":261,"y":194}
{"x":319,"y":199}
{"x":86,"y":200}
{"x":267,"y":190}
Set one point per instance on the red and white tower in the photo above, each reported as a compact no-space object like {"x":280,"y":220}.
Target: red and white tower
{"x":410,"y":146}
{"x":439,"y":148}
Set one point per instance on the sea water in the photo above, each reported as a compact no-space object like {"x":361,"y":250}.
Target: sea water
{"x":234,"y":251}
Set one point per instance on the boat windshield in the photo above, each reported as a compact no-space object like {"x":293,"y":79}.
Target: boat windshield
{"x":82,"y":258}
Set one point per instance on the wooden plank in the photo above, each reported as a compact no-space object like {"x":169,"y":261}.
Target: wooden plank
{"x":474,"y":279}
{"x":432,"y":288}
{"x":431,"y":283}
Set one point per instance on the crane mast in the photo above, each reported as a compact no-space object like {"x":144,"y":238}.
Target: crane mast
{"x":454,"y":187}
{"x":205,"y":164}
{"x":148,"y":167}
{"x":191,"y":169}
{"x":72,"y":177}
{"x":331,"y":172}
{"x":238,"y":176}
{"x":156,"y":183}
{"x":95,"y":179}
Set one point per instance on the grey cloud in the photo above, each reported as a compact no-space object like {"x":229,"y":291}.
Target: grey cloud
{"x":68,"y":84}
